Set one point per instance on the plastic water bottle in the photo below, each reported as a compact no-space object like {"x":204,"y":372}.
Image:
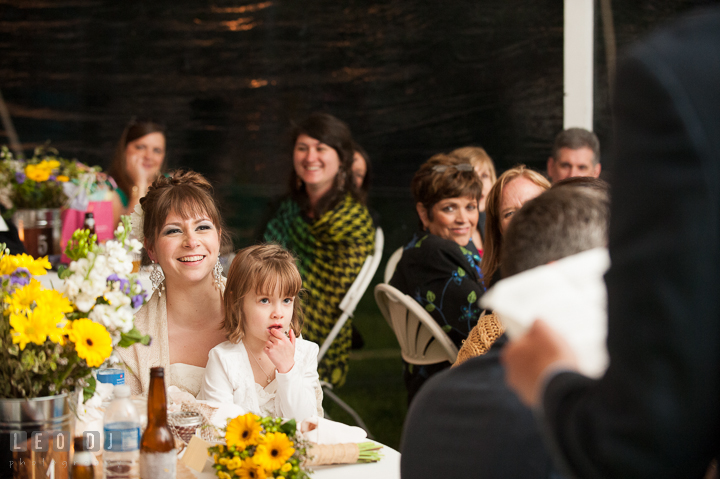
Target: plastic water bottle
{"x":121,"y":454}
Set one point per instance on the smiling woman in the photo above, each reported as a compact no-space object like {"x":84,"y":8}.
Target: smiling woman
{"x":440,"y":267}
{"x":182,"y":232}
{"x":326,"y":224}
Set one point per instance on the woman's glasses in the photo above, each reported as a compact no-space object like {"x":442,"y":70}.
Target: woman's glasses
{"x":460,"y":167}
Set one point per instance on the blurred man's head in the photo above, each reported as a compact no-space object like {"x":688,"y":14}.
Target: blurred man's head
{"x":558,"y":223}
{"x":576,"y":152}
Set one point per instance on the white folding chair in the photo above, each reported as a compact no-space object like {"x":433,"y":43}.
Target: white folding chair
{"x":347,"y":306}
{"x":422,"y":340}
{"x":392,"y":263}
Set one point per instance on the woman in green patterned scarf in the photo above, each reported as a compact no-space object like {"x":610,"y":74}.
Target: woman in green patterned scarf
{"x":328,"y":227}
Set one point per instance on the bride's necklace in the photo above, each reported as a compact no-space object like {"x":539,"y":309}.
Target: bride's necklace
{"x":262,"y":369}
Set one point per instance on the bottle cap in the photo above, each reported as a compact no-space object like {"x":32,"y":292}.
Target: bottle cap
{"x":122,"y":391}
{"x":158,"y":371}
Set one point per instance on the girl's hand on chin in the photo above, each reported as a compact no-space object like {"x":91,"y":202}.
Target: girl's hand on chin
{"x":281,"y":350}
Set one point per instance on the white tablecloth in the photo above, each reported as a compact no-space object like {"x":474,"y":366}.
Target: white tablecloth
{"x":51,"y":280}
{"x":387,"y":468}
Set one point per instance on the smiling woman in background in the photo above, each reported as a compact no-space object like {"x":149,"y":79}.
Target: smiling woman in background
{"x":138,"y":160}
{"x":440,"y":267}
{"x":326,"y":224}
{"x":511,"y":190}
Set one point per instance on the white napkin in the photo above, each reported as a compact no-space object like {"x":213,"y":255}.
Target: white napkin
{"x":324,"y":431}
{"x":177,"y":397}
{"x":569,"y":294}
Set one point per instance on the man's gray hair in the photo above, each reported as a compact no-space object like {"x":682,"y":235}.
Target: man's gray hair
{"x":558,"y":223}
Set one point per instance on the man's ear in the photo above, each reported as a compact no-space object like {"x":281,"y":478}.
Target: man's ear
{"x":550,"y":164}
{"x":423,"y":214}
{"x":598,"y":167}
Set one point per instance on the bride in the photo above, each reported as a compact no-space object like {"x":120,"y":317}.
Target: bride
{"x":180,"y":226}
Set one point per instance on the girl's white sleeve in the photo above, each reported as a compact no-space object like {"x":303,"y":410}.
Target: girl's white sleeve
{"x":216,"y":385}
{"x":299,"y":395}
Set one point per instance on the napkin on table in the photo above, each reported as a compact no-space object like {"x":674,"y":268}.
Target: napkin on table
{"x":324,"y":431}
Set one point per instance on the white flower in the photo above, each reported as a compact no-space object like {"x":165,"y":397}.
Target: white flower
{"x":136,"y":221}
{"x":135,"y":245}
{"x":114,"y":319}
{"x":84,"y":302}
{"x":117,"y":299}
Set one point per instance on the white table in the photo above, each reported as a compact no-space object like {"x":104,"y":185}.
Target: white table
{"x":51,"y":280}
{"x":387,"y":468}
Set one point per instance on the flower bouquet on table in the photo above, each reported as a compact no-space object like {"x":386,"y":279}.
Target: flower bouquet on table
{"x":42,"y":181}
{"x":272,"y":448}
{"x":50,"y":341}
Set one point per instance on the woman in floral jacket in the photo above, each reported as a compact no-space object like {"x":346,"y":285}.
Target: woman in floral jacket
{"x":440,"y":267}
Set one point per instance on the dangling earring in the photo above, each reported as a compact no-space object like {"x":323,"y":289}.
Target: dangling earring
{"x":156,"y":278}
{"x":218,"y":274}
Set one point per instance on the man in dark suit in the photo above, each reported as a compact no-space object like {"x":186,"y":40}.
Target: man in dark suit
{"x":656,"y":412}
{"x":466,"y":422}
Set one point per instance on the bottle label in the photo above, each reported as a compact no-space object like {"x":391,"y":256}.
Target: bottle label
{"x":122,"y":437}
{"x":158,"y":465}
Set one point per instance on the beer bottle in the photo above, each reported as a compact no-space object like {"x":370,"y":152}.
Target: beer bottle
{"x":90,"y":222}
{"x":157,"y":446}
{"x":82,"y":461}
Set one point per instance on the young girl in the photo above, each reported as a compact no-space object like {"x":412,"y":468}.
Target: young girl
{"x":264,"y":367}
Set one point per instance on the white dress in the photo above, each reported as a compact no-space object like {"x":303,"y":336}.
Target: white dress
{"x":186,"y":377}
{"x":296,"y":394}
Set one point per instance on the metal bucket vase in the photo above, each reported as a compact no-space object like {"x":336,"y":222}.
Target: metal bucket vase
{"x":36,"y":437}
{"x":39,"y":230}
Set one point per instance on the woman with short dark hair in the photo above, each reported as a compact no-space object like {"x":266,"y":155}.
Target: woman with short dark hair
{"x":440,"y":267}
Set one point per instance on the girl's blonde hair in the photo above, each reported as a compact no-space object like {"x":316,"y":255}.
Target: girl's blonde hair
{"x":260,"y":269}
{"x":477,"y":157}
{"x":492,"y":243}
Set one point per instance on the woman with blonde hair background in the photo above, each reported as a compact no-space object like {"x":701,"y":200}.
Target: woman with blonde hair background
{"x":485,"y":170}
{"x":511,"y":190}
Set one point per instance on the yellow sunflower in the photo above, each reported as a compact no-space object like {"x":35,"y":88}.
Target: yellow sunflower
{"x":92,"y":341}
{"x":250,"y":470}
{"x":54,"y":300}
{"x":274,"y":450}
{"x":63,"y":178}
{"x":243,"y":431}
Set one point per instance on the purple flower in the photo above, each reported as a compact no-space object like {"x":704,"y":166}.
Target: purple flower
{"x":20,"y":177}
{"x":138,"y":300}
{"x":20,"y":278}
{"x":124,"y":284}
{"x":52,"y":178}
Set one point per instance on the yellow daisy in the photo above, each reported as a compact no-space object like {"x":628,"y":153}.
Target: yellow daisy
{"x":23,"y":298}
{"x":37,"y":172}
{"x":233,"y":463}
{"x":27,"y":329}
{"x":223,"y":475}
{"x":274,"y":450}
{"x":92,"y":341}
{"x":63,"y":178}
{"x":250,"y":470}
{"x":53,"y":321}
{"x":54,"y":300}
{"x":243,"y":431}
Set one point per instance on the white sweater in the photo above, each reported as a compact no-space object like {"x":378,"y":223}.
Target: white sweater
{"x":229,"y":379}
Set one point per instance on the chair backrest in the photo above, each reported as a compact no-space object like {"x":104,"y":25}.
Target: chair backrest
{"x":356,"y":291}
{"x":392,"y":262}
{"x":422,"y":340}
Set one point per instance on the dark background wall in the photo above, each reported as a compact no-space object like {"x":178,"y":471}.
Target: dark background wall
{"x":411,"y":78}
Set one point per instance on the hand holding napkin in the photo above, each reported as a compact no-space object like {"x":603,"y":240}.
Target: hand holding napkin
{"x":570,"y":295}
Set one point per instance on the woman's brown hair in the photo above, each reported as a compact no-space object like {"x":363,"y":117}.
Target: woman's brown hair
{"x":261,"y":269}
{"x":185,"y":192}
{"x":492,"y":243}
{"x":118,"y":167}
{"x":336,"y":134}
{"x":444,"y":176}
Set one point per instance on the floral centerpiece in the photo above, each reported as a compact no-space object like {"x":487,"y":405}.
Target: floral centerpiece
{"x":44,"y":181}
{"x":50,"y":340}
{"x":272,"y":448}
{"x":260,"y":448}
